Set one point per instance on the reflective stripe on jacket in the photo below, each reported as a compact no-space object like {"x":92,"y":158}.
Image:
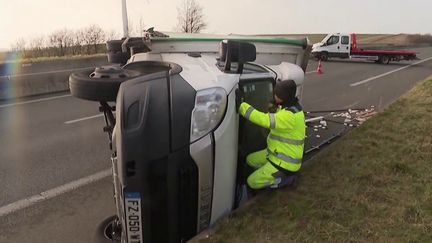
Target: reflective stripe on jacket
{"x":285,"y":142}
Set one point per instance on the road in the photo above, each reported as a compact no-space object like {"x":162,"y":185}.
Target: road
{"x":53,"y":144}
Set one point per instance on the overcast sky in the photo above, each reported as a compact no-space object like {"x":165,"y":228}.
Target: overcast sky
{"x":30,"y":18}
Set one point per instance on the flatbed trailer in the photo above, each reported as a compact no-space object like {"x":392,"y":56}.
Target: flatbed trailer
{"x":345,"y":46}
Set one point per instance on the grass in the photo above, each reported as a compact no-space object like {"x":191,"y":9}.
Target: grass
{"x":373,"y":185}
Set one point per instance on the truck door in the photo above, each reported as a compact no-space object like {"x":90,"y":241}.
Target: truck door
{"x":344,"y":46}
{"x":258,"y":90}
{"x":258,"y":93}
{"x":333,"y":46}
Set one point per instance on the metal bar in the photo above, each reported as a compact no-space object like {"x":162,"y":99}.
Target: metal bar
{"x":337,"y":110}
{"x":318,"y":118}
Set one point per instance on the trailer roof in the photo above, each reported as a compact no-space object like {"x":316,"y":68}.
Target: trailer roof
{"x":215,"y":38}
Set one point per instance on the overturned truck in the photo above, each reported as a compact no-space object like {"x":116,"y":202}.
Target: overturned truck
{"x":178,"y":144}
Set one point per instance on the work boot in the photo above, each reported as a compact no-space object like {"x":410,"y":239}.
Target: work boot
{"x":283,"y":180}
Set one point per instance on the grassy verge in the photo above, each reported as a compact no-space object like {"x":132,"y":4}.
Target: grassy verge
{"x":373,"y":185}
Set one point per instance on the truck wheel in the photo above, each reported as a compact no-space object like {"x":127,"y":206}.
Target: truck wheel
{"x":384,"y":59}
{"x":324,"y":56}
{"x":108,"y":231}
{"x":102,"y":84}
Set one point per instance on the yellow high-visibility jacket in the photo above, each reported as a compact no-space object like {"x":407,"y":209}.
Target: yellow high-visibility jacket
{"x":285,"y":142}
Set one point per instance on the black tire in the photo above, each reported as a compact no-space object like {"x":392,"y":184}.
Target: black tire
{"x":324,"y":56}
{"x":114,"y":45}
{"x":118,"y":57}
{"x":384,"y":59}
{"x":100,"y":84}
{"x":104,"y":229}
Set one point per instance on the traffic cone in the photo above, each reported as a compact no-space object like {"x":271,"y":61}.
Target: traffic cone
{"x":319,"y":68}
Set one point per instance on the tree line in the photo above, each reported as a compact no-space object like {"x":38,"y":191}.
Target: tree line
{"x":65,"y":42}
{"x":91,"y":39}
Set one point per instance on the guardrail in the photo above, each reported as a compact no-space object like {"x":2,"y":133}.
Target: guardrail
{"x":19,"y":80}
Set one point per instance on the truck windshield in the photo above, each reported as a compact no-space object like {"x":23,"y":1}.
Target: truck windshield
{"x":326,"y":38}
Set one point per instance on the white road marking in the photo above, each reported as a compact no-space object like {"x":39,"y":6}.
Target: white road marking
{"x":42,"y":73}
{"x":83,"y":119}
{"x":311,"y":72}
{"x":34,"y":101}
{"x":388,"y":73}
{"x":27,"y":202}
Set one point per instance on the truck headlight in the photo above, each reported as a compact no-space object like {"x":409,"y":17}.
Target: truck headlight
{"x":210,"y":106}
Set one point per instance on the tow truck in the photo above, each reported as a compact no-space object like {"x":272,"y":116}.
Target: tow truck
{"x":345,"y":46}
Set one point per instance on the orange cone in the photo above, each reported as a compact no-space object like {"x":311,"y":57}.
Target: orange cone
{"x":319,"y":68}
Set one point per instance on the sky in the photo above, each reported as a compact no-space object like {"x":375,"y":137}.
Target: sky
{"x":25,"y":19}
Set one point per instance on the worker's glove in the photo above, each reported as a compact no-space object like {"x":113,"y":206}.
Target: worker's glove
{"x":239,"y":98}
{"x":272,"y":107}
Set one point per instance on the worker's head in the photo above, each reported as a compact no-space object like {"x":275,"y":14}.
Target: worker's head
{"x":285,"y":93}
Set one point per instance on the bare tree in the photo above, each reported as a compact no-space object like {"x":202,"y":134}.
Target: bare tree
{"x":69,"y":42}
{"x":37,"y":45}
{"x":136,"y":29}
{"x":37,"y":42}
{"x":65,"y":42}
{"x":190,"y":17}
{"x":93,"y":36}
{"x":58,"y":40}
{"x":141,"y":27}
{"x":111,"y":35}
{"x":78,"y":42}
{"x":19,"y":45}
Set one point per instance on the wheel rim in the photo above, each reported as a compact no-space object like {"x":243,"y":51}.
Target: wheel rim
{"x":324,"y":57}
{"x":112,"y":72}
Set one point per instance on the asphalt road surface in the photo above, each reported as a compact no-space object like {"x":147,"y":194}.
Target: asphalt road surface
{"x":54,"y":170}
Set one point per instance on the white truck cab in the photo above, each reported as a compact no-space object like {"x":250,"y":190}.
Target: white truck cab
{"x":333,"y":45}
{"x":179,"y":146}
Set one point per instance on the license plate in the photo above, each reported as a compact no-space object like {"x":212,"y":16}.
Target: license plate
{"x":133,"y":217}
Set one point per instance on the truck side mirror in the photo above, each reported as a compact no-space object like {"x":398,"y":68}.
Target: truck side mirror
{"x":236,"y":51}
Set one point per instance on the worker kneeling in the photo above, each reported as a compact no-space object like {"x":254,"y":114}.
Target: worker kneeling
{"x":277,"y":165}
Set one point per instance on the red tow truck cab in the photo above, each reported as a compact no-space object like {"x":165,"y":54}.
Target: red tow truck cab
{"x":345,"y":46}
